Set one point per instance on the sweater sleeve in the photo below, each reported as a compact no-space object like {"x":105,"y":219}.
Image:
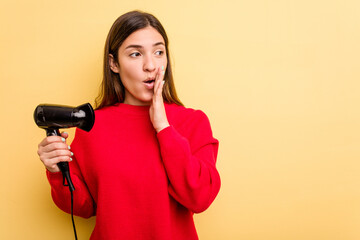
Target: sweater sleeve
{"x":190,"y":163}
{"x":83,"y":203}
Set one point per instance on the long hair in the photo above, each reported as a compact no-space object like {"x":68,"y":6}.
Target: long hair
{"x":112,"y":90}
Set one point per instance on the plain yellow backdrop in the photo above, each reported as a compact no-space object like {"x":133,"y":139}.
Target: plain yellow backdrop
{"x":278,"y":79}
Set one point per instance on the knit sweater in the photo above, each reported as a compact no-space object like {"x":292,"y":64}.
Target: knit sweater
{"x":138,"y":183}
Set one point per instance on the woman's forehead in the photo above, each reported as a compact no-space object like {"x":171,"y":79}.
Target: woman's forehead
{"x":145,"y":37}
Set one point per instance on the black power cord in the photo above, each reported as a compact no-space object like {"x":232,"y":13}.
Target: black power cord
{"x":68,"y":183}
{"x":72,"y":213}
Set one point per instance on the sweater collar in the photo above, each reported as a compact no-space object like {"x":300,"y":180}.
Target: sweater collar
{"x":133,"y":109}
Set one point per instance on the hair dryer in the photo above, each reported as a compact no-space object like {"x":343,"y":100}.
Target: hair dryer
{"x":52,"y":117}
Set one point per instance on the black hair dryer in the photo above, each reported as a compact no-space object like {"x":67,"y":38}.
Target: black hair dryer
{"x":52,"y":117}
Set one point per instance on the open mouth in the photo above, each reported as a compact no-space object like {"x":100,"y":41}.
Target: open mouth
{"x":149,"y":83}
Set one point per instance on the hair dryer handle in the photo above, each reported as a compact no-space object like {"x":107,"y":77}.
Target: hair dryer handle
{"x":52,"y":132}
{"x":63,"y":166}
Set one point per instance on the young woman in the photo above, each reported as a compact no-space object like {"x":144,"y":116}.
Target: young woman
{"x":148,"y":164}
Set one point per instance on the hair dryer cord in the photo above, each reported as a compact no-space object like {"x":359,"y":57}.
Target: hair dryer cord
{"x":72,"y":212}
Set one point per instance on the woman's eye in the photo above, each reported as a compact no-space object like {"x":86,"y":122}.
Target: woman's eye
{"x":135,"y":54}
{"x":159,"y":53}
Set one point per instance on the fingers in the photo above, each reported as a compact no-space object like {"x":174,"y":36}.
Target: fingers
{"x":64,"y":135}
{"x":57,"y":152}
{"x":159,"y":82}
{"x":53,"y":150}
{"x":51,"y":146}
{"x":49,"y":140}
{"x":52,"y":139}
{"x":51,"y":163}
{"x":157,"y":110}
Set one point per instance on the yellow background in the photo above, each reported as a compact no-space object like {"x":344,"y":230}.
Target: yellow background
{"x":278,"y":79}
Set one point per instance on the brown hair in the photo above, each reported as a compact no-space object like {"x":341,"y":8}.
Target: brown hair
{"x":112,"y":90}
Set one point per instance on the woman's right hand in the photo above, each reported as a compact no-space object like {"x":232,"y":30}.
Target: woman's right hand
{"x":53,"y":150}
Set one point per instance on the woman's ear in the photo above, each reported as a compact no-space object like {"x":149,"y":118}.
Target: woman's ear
{"x":114,"y":66}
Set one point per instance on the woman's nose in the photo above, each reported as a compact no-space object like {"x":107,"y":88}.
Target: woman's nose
{"x":149,"y":64}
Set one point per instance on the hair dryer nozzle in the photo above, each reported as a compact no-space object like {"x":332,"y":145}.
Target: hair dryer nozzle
{"x":86,"y":121}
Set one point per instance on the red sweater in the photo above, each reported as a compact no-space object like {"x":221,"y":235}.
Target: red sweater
{"x":141,"y":184}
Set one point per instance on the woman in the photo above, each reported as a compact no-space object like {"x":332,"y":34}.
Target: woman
{"x":148,"y":163}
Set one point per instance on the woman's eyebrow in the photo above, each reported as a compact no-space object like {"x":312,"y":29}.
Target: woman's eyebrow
{"x":140,"y":46}
{"x":159,"y":43}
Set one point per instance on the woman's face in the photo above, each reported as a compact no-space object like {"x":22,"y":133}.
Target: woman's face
{"x":139,"y":58}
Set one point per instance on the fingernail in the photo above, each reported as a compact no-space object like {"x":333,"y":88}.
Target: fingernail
{"x":70,"y":159}
{"x":163,"y":72}
{"x":72,"y":154}
{"x":69,"y":147}
{"x":163,"y":82}
{"x":63,"y":139}
{"x":162,"y":67}
{"x":65,"y":132}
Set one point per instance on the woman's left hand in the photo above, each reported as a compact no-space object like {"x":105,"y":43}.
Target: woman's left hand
{"x":157,"y":109}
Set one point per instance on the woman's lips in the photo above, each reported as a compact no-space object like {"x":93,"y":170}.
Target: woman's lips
{"x":149,"y":84}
